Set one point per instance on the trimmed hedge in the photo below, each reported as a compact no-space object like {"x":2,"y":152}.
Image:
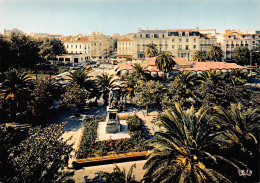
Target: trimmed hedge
{"x":90,"y":148}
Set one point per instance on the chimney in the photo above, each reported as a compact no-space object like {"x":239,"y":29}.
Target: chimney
{"x":139,"y":29}
{"x":197,"y":29}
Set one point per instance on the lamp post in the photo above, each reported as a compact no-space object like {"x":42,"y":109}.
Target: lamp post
{"x":251,"y":60}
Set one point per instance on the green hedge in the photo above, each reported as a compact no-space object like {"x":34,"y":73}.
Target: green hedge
{"x":90,"y":148}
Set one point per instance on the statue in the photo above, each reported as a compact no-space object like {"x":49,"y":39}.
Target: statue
{"x":112,"y":100}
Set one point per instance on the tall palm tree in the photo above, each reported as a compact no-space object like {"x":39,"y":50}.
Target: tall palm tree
{"x":15,"y":84}
{"x":164,"y":61}
{"x":199,"y":56}
{"x":79,"y":77}
{"x":182,"y":149}
{"x":118,"y":176}
{"x":215,"y":53}
{"x":151,"y":50}
{"x":139,"y":70}
{"x":106,"y":83}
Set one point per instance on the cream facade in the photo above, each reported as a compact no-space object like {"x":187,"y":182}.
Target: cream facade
{"x":180,"y":42}
{"x":124,"y":48}
{"x":97,"y":46}
{"x":234,"y":38}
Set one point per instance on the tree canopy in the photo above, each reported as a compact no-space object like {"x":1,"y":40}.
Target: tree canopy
{"x":241,"y":55}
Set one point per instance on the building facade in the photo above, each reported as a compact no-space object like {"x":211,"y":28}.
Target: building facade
{"x":234,"y":38}
{"x":97,"y":46}
{"x":124,"y":48}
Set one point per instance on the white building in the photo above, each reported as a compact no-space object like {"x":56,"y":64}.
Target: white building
{"x":124,"y":48}
{"x":233,"y":38}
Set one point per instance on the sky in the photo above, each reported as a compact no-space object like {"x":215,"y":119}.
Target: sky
{"x":70,"y":17}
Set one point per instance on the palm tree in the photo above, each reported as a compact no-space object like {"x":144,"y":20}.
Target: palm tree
{"x":151,"y":50}
{"x":183,"y":85}
{"x":212,"y":77}
{"x":243,"y":130}
{"x":164,"y":61}
{"x":79,"y":77}
{"x":106,"y":83}
{"x":237,"y":77}
{"x":15,"y":84}
{"x":215,"y":53}
{"x":241,"y":123}
{"x":139,"y":70}
{"x":199,"y":56}
{"x":182,"y":149}
{"x":118,"y":176}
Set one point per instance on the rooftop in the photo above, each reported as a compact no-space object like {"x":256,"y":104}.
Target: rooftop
{"x":124,"y":39}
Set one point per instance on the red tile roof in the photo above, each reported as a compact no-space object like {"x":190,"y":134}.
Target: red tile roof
{"x":82,"y":40}
{"x":182,"y":30}
{"x":150,"y":61}
{"x":124,"y":39}
{"x":181,"y":61}
{"x":202,"y":66}
{"x":125,"y":66}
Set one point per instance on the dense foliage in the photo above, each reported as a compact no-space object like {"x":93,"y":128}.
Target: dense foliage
{"x":40,"y":157}
{"x":241,"y":55}
{"x":19,"y":50}
{"x":194,"y":146}
{"x":91,"y":148}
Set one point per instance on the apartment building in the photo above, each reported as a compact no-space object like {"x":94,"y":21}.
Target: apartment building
{"x":144,"y":37}
{"x":183,"y":42}
{"x":233,"y":38}
{"x":207,"y":40}
{"x":94,"y":45}
{"x":180,"y":42}
{"x":124,"y":48}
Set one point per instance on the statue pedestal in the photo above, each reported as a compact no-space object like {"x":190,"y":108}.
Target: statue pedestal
{"x":112,"y":121}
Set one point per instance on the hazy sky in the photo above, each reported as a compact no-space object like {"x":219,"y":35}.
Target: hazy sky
{"x":123,"y":16}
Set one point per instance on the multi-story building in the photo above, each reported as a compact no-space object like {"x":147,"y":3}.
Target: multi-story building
{"x":94,"y":46}
{"x":183,"y":42}
{"x":233,"y":38}
{"x":206,"y":41}
{"x":144,"y":37}
{"x":124,"y":48}
{"x":180,"y":42}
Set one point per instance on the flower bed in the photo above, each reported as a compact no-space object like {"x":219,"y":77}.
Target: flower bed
{"x":89,"y":148}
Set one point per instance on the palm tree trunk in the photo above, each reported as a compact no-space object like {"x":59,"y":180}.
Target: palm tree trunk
{"x":146,"y":110}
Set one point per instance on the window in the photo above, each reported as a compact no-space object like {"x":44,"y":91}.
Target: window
{"x":173,"y":40}
{"x":67,"y":46}
{"x":181,"y":54}
{"x":187,"y":40}
{"x":194,"y":46}
{"x":180,"y":47}
{"x":194,"y":40}
{"x":173,"y":46}
{"x":178,"y":54}
{"x":187,"y":47}
{"x":79,"y":46}
{"x":180,"y":39}
{"x":71,"y":46}
{"x":76,"y":46}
